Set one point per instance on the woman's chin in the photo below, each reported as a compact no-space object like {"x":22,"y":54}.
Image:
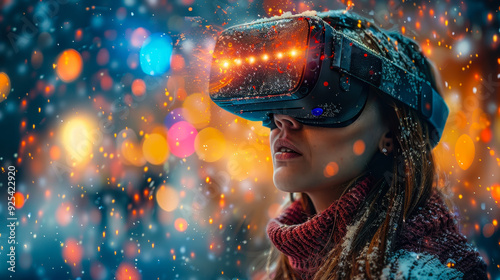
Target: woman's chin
{"x":288,"y":181}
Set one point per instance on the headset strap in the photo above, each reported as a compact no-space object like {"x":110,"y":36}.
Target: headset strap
{"x":354,"y":59}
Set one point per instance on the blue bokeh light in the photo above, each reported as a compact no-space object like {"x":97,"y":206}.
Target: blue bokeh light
{"x":155,"y":54}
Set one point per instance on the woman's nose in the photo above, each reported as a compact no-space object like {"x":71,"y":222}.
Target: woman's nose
{"x":283,"y":121}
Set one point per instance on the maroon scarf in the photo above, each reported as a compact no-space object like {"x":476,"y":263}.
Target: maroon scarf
{"x":432,"y":229}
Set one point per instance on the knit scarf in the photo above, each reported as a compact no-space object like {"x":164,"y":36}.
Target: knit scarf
{"x":303,"y":238}
{"x":431,"y":230}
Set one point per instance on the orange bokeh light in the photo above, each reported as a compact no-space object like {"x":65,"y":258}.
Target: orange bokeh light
{"x":127,"y":271}
{"x":63,"y":214}
{"x":331,"y":169}
{"x":72,"y":252}
{"x":69,"y":65}
{"x":180,"y":224}
{"x":138,"y":87}
{"x":359,"y":147}
{"x":495,"y":192}
{"x":19,"y":200}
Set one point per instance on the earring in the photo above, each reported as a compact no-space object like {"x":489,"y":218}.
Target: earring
{"x":384,"y":150}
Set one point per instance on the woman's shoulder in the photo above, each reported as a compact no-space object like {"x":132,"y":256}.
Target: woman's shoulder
{"x":405,"y":264}
{"x":431,"y":245}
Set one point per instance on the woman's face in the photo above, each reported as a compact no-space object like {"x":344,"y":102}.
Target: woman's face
{"x":326,"y":157}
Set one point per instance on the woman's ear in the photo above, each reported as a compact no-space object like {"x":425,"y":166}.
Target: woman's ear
{"x":386,"y":143}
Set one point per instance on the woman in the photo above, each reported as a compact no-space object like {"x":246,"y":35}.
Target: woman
{"x":367,"y":227}
{"x":369,"y":206}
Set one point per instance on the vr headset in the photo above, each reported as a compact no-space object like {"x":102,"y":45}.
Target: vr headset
{"x":302,"y":67}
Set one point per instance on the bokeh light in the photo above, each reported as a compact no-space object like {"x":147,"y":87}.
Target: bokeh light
{"x":138,"y":87}
{"x":36,"y":59}
{"x":19,"y":200}
{"x":4,"y":86}
{"x":331,"y":169}
{"x":78,"y":138}
{"x":155,"y":54}
{"x":210,"y":144}
{"x":181,"y":224}
{"x":72,"y":252}
{"x":464,"y":151}
{"x":64,"y":214}
{"x":359,"y":147}
{"x":181,"y":137}
{"x":130,"y":148}
{"x":176,"y":115}
{"x":69,"y":65}
{"x":167,"y":198}
{"x":155,"y":149}
{"x":139,"y":36}
{"x":197,"y":107}
{"x":127,"y":271}
{"x":495,"y":192}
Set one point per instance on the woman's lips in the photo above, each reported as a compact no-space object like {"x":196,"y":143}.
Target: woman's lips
{"x":286,"y":155}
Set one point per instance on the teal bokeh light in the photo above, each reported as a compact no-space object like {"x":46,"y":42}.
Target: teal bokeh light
{"x":155,"y":54}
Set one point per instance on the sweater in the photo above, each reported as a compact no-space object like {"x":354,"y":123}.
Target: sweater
{"x":429,"y":245}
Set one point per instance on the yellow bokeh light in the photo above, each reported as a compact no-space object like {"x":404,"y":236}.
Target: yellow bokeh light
{"x":167,"y":198}
{"x":258,"y":128}
{"x":155,"y":149}
{"x":79,"y":138}
{"x":197,"y":108}
{"x":243,"y":160}
{"x":131,"y":150}
{"x":4,"y":86}
{"x":132,"y":153}
{"x":464,"y":151}
{"x":210,"y":144}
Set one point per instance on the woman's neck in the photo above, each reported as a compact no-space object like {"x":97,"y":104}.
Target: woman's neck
{"x":323,"y":196}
